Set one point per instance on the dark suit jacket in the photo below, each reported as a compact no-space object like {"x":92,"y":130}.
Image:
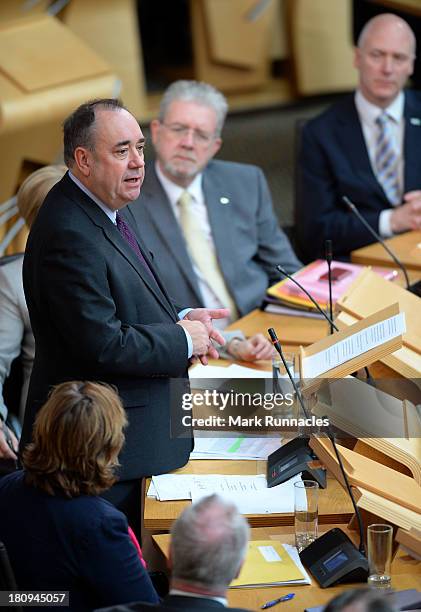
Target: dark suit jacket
{"x":97,"y":314}
{"x":334,"y":162}
{"x":173,"y":602}
{"x":248,"y":240}
{"x":79,"y":545}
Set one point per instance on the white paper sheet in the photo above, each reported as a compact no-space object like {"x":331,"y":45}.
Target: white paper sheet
{"x":179,"y":486}
{"x":200,"y":371}
{"x":354,"y":345}
{"x":215,"y":446}
{"x":275,"y":500}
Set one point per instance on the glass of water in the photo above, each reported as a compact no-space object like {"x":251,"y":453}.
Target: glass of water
{"x":379,"y":545}
{"x":306,"y":497}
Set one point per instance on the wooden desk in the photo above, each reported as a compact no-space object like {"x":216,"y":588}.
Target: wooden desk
{"x":334,"y":504}
{"x":406,"y":574}
{"x":406,"y":247}
{"x":292,"y":331}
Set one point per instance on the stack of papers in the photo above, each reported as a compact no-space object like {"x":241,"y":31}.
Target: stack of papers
{"x":233,"y":447}
{"x":249,"y":493}
{"x":232,"y":371}
{"x":270,"y":563}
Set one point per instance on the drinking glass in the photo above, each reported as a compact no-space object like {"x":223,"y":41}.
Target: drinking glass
{"x":379,"y":544}
{"x":306,"y":494}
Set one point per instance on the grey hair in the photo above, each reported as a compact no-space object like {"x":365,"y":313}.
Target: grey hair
{"x":361,"y":600}
{"x":384,"y":19}
{"x":199,"y":92}
{"x":208,"y":543}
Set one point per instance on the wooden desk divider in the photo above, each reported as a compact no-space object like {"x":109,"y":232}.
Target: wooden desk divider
{"x":410,"y":541}
{"x":354,"y":364}
{"x":46,"y":71}
{"x":370,"y":292}
{"x":378,"y":425}
{"x":381,"y":491}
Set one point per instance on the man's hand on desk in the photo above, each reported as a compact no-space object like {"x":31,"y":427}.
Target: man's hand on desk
{"x":408,"y":215}
{"x":254,"y":348}
{"x":198,"y":323}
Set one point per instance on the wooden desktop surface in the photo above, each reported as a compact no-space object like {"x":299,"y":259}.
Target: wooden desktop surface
{"x":334,"y":503}
{"x":406,"y":574}
{"x":406,"y":247}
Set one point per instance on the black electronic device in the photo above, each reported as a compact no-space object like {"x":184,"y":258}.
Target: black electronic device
{"x":333,"y":559}
{"x":291,"y":459}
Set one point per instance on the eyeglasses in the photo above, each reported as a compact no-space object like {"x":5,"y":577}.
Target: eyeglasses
{"x":180,"y":131}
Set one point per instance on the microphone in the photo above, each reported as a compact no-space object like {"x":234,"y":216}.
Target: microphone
{"x":319,"y":308}
{"x":277,"y":345}
{"x":295,"y":456}
{"x":329,"y":257}
{"x":351,"y":206}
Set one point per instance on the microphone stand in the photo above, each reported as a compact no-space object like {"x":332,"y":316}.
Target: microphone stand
{"x":332,"y":325}
{"x":351,"y":206}
{"x":277,"y":345}
{"x":328,"y":252}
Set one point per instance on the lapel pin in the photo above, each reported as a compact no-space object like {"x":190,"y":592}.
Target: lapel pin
{"x":224,"y":200}
{"x":415,"y":121}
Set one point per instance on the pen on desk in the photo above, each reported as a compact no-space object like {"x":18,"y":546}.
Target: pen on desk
{"x":270,"y":604}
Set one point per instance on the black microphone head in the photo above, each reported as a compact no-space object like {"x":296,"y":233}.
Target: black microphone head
{"x":328,"y":250}
{"x":272,"y":334}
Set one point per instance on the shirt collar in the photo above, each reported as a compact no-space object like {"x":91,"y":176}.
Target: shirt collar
{"x":221,"y":600}
{"x":174,"y":191}
{"x":111,"y":214}
{"x":369,"y":112}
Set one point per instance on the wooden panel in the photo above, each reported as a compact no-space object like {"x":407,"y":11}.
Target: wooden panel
{"x":406,"y":247}
{"x":34,"y":53}
{"x":224,"y":77}
{"x":321,"y":45}
{"x":238,"y":31}
{"x":113,"y":33}
{"x":294,"y":331}
{"x":367,"y":474}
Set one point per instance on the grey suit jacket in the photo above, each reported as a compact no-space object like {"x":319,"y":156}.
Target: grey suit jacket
{"x":247,"y":237}
{"x":16,"y":336}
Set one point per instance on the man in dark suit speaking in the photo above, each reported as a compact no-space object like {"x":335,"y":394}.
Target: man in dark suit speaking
{"x":366,"y":147}
{"x":97,"y":306}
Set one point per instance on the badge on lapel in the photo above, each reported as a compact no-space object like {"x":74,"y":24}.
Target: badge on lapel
{"x":224,"y":200}
{"x":415,"y":121}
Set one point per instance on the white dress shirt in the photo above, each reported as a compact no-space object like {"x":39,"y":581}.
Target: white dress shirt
{"x":368,"y":114}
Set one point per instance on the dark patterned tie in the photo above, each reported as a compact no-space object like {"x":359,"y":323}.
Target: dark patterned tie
{"x":130,"y":238}
{"x":387,"y":160}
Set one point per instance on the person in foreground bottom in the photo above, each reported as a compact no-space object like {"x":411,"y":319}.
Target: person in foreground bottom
{"x":208,"y":547}
{"x":59,"y":533}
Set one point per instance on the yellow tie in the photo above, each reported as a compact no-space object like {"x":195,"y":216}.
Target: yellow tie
{"x":202,"y":253}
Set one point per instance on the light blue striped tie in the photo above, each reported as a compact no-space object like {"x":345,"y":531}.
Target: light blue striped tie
{"x":387,"y":160}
